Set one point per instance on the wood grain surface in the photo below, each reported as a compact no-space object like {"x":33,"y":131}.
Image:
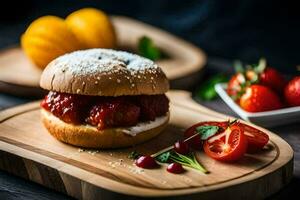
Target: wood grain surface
{"x":182,"y":66}
{"x":27,"y":150}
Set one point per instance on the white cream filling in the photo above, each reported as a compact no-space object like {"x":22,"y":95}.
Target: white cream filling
{"x":145,"y":126}
{"x":132,"y":130}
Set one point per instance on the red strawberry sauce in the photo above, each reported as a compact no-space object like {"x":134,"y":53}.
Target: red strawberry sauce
{"x":105,"y":112}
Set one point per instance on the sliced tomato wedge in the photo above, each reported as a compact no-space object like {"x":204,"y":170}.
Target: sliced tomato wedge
{"x":196,"y":142}
{"x":256,"y":138}
{"x":227,"y":146}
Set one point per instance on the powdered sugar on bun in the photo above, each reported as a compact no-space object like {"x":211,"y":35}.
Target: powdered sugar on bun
{"x":104,"y":72}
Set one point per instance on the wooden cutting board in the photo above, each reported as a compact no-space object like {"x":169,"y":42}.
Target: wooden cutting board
{"x":29,"y":151}
{"x":19,"y":76}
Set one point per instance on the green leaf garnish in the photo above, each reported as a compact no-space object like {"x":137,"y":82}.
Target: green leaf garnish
{"x":147,"y":48}
{"x":164,"y":157}
{"x":187,"y":160}
{"x":207,"y":90}
{"x":206,"y":131}
{"x":134,"y":155}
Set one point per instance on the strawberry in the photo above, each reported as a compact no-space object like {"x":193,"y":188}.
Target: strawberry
{"x":235,"y":86}
{"x":254,"y":74}
{"x":272,"y":78}
{"x":266,"y":76}
{"x":258,"y":98}
{"x":245,"y":76}
{"x":292,"y":92}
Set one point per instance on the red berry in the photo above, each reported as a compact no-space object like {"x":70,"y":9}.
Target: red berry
{"x":175,"y":168}
{"x":181,"y":147}
{"x":259,"y":98}
{"x":270,"y":77}
{"x":146,"y":162}
{"x":292,"y":92}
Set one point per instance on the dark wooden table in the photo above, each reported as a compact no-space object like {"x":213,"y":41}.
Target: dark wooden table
{"x":12,"y":187}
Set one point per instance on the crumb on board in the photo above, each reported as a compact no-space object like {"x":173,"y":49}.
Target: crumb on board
{"x":136,"y":170}
{"x":89,"y":151}
{"x":186,"y":179}
{"x":120,"y":163}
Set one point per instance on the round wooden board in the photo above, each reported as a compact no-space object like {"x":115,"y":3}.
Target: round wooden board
{"x":28,"y":150}
{"x":19,"y":76}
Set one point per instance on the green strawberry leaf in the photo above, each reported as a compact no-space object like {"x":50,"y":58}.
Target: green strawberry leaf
{"x":262,"y":64}
{"x":238,"y":66}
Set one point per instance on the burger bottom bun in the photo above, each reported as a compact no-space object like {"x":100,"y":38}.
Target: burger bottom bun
{"x":90,"y":137}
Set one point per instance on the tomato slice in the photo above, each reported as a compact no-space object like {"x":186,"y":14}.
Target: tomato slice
{"x":256,"y":138}
{"x":227,"y":146}
{"x":196,"y":142}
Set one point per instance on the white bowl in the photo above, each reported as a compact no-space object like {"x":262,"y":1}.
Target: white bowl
{"x":265,"y":119}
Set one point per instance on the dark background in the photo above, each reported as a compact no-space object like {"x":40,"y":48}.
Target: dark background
{"x":232,"y":29}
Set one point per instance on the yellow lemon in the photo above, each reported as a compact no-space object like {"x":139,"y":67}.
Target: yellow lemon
{"x":92,"y":28}
{"x":47,"y":38}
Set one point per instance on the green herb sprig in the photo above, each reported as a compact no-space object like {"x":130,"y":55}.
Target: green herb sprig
{"x":190,"y":160}
{"x":134,"y":155}
{"x":186,"y":160}
{"x":168,"y":154}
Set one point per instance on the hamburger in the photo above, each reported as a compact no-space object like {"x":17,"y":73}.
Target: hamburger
{"x":102,"y":98}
